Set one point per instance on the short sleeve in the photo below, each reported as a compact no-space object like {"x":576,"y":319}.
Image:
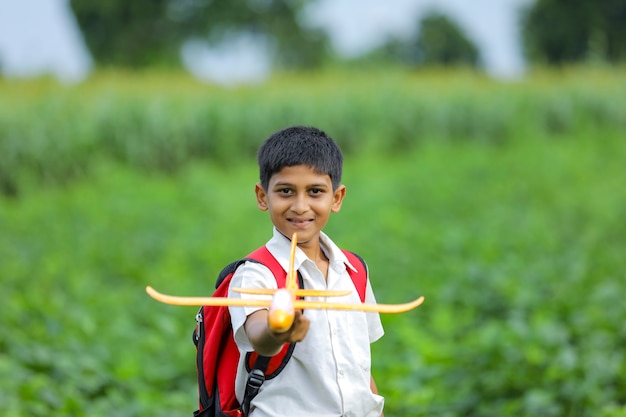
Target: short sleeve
{"x":249,"y":275}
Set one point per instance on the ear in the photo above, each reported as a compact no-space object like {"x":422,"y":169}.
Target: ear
{"x":338,"y":196}
{"x":261,"y":197}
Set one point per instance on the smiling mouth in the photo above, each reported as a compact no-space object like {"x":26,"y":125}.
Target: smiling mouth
{"x":300,"y":222}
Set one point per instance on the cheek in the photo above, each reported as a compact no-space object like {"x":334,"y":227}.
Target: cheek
{"x":325,"y":207}
{"x":275,"y":208}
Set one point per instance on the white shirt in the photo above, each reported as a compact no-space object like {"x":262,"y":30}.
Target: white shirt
{"x":329,"y":372}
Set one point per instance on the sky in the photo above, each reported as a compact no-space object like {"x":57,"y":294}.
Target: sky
{"x":42,"y":37}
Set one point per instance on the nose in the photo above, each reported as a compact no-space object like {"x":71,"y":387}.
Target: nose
{"x":300,"y":204}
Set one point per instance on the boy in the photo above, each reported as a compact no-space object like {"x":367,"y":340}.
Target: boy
{"x":329,"y":372}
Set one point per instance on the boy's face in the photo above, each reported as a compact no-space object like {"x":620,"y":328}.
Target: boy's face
{"x":300,"y":200}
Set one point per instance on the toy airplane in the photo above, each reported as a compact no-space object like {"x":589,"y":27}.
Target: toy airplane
{"x":284,"y":301}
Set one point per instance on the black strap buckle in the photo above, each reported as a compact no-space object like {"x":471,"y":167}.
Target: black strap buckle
{"x":256,"y":378}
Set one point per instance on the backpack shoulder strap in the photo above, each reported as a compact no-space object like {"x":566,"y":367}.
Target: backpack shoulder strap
{"x":263,"y":256}
{"x":261,"y":368}
{"x":360,"y":276}
{"x":271,"y":366}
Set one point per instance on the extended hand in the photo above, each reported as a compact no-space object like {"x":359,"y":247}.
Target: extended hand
{"x":297,"y":331}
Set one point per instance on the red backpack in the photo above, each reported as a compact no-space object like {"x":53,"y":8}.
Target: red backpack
{"x":217,"y":355}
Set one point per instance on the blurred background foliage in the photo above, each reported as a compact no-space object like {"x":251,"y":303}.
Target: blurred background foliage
{"x":561,"y":32}
{"x":502,"y":202}
{"x":147,"y":32}
{"x":156,"y":122}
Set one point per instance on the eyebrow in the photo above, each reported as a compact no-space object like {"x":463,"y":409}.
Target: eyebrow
{"x":283,"y":184}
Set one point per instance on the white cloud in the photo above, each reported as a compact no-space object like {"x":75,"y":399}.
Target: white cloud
{"x":41,"y":37}
{"x":241,"y":59}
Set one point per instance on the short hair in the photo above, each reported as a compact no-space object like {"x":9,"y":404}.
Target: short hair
{"x":300,"y":145}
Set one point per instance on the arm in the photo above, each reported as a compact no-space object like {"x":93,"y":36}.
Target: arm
{"x":374,"y":389}
{"x":266,"y":342}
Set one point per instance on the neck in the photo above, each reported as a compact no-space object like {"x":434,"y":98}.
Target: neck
{"x":313,"y":252}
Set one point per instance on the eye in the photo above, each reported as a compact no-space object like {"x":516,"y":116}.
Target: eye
{"x":316,"y":191}
{"x":284,"y":191}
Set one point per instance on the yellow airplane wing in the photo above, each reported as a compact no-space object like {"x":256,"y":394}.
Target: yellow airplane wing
{"x":205,"y":301}
{"x":299,"y":304}
{"x":378,"y":308}
{"x":292,"y":286}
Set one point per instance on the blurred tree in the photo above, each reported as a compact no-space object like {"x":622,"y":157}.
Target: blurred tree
{"x":140,"y":33}
{"x":439,"y":41}
{"x":562,"y":31}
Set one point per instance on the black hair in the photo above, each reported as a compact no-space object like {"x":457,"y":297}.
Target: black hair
{"x":300,"y":145}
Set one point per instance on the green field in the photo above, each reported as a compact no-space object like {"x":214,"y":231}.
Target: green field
{"x":503,"y":204}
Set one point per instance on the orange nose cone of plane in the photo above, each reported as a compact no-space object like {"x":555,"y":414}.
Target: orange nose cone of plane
{"x":280,"y":320}
{"x":281,"y":314}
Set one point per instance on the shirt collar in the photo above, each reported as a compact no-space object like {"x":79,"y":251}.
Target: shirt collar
{"x":280,"y":247}
{"x":335,"y":255}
